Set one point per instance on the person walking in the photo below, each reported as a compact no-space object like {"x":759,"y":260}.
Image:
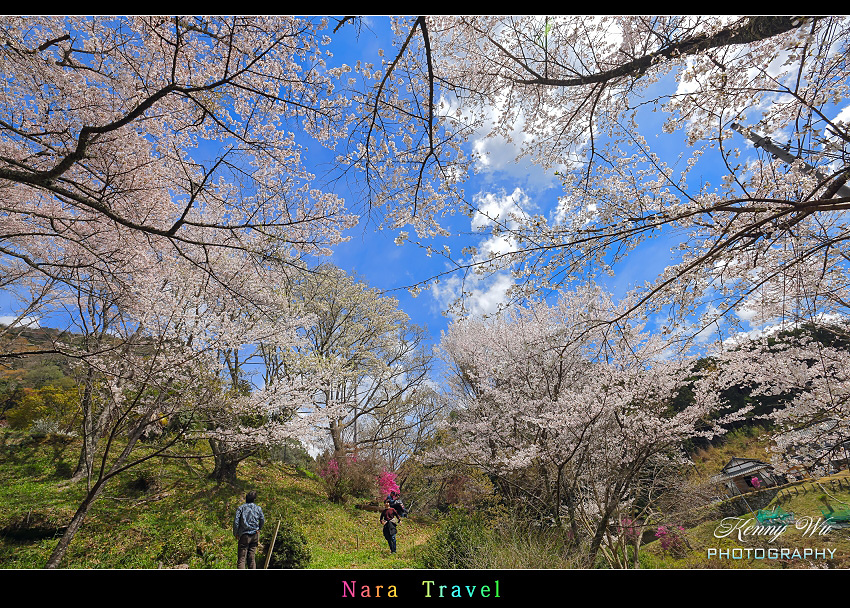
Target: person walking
{"x":247,"y":524}
{"x":395,"y":502}
{"x":387,"y":516}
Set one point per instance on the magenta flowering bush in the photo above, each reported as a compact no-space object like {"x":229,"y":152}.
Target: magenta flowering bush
{"x":672,"y":539}
{"x":330,"y":471}
{"x":387,"y":483}
{"x":349,"y":476}
{"x":337,"y":483}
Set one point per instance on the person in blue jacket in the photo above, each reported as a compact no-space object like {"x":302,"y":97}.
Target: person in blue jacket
{"x":394,"y":498}
{"x":247,"y":524}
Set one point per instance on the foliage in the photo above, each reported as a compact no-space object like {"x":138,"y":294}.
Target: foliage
{"x":496,"y":539}
{"x":154,"y":194}
{"x":291,"y":549}
{"x":457,"y":541}
{"x":50,"y":404}
{"x":169,"y":249}
{"x":437,"y":487}
{"x":629,"y":528}
{"x":351,"y":476}
{"x":291,"y":452}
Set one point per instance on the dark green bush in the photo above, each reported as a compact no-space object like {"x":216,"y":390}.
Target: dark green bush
{"x":456,"y":542}
{"x":290,"y":547}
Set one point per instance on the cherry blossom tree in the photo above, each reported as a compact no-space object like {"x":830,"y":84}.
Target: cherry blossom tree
{"x":130,"y":144}
{"x":148,"y":354}
{"x":375,"y":362}
{"x":137,"y":378}
{"x":758,"y":234}
{"x":807,"y":368}
{"x":566,"y":412}
{"x":166,"y":134}
{"x":270,"y":378}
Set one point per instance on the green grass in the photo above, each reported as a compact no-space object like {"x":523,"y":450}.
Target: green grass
{"x":166,"y":513}
{"x":177,"y":517}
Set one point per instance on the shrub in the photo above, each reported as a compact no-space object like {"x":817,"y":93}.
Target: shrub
{"x":290,"y":547}
{"x":456,"y":542}
{"x":349,"y":476}
{"x":497,"y":539}
{"x":672,"y":540}
{"x":336,"y":483}
{"x":45,"y":410}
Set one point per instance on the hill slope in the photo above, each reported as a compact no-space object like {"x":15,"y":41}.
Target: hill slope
{"x":167,"y":514}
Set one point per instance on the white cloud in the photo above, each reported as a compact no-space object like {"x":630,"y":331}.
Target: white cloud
{"x":843,"y":116}
{"x":483,"y":295}
{"x":498,"y":207}
{"x":24,"y":322}
{"x":746,"y":314}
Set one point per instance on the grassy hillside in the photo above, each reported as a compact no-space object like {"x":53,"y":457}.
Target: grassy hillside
{"x":167,"y":514}
{"x":804,"y":499}
{"x":790,"y":547}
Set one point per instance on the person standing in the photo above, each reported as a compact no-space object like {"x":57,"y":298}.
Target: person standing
{"x":247,"y":524}
{"x":387,"y":516}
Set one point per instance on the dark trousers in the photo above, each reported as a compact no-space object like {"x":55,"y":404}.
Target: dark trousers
{"x":247,"y":551}
{"x":389,"y":534}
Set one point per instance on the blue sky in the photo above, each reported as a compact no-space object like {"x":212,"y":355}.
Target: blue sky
{"x":502,"y":181}
{"x":496,"y":185}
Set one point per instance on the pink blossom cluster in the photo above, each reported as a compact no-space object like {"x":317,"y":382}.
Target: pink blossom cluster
{"x":331,"y":471}
{"x":670,"y":537}
{"x":387,"y":482}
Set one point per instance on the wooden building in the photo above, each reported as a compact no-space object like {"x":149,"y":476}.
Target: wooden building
{"x":742,"y":475}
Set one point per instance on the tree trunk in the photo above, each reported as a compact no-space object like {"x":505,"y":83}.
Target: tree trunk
{"x":226,"y":462}
{"x":62,"y":547}
{"x":84,"y":463}
{"x":336,"y":437}
{"x":225,"y":469}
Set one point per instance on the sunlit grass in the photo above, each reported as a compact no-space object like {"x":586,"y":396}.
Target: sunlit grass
{"x":183,"y":519}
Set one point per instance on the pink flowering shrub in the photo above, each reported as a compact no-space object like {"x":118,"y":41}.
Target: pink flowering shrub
{"x":330,"y":471}
{"x":387,"y":483}
{"x":349,"y":476}
{"x":672,"y":539}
